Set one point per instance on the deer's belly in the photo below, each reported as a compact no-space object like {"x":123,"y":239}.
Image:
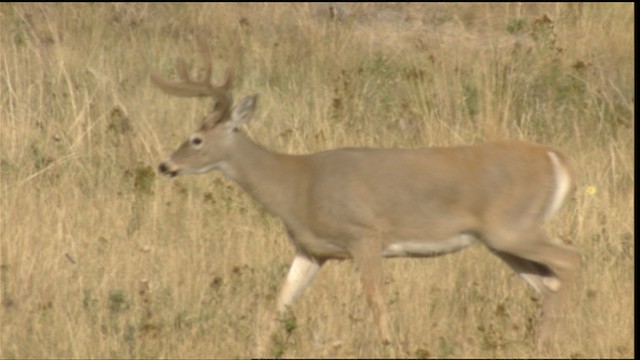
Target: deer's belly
{"x":428,"y":248}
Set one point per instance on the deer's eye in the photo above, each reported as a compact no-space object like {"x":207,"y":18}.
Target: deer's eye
{"x":196,"y":141}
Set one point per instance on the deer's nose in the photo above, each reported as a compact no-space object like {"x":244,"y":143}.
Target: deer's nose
{"x":165,"y":170}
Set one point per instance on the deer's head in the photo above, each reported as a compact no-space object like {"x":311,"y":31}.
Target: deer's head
{"x":207,"y":148}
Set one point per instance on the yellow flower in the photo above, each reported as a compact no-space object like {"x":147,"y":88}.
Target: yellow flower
{"x":591,"y":190}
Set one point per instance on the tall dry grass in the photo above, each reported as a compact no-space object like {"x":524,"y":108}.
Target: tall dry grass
{"x":99,"y":258}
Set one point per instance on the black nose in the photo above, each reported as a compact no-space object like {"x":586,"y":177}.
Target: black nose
{"x":165,"y":170}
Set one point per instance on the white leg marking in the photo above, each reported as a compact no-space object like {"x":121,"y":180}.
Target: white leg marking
{"x":300,"y":275}
{"x":552,"y":283}
{"x":532,"y":280}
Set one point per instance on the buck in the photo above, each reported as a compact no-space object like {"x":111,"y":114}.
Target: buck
{"x":368,"y":204}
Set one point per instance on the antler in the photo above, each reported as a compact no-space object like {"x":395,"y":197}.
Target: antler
{"x":194,"y":88}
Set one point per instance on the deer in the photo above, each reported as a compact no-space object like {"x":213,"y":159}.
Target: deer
{"x":366,"y":204}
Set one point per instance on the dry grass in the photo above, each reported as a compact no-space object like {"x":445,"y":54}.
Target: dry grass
{"x":99,"y":258}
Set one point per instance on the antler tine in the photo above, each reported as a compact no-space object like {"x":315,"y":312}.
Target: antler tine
{"x":223,"y":92}
{"x":183,"y":72}
{"x":206,"y":57}
{"x":230,"y":73}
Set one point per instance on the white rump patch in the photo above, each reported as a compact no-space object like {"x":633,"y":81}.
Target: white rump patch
{"x":563,"y":184}
{"x":424,"y":249}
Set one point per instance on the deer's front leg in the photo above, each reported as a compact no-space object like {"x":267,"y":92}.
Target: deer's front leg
{"x":303,"y":270}
{"x":301,"y":273}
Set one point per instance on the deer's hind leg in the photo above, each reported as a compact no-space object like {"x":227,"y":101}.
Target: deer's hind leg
{"x":546,"y":265}
{"x":368,"y":259}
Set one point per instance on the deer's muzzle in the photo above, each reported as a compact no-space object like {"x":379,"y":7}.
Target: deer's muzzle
{"x":166,"y":169}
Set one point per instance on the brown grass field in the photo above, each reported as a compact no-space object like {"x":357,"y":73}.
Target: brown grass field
{"x":102,"y":258}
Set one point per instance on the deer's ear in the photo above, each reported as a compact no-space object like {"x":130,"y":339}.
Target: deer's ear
{"x":243,"y":111}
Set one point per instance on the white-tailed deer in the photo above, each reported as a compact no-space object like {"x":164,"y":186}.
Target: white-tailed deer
{"x":366,"y":204}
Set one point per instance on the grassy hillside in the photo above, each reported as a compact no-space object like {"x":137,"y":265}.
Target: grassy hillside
{"x":101,"y":258}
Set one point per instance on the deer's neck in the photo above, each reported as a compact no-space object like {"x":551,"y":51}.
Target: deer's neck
{"x":275,"y":180}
